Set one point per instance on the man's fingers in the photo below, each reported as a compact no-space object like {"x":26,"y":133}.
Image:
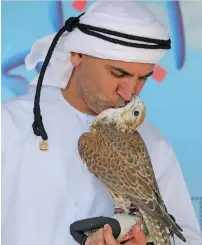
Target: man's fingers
{"x":136,"y":230}
{"x":131,"y":242}
{"x":105,"y":237}
{"x":139,"y":236}
{"x":108,"y":236}
{"x":88,"y":240}
{"x":97,"y":238}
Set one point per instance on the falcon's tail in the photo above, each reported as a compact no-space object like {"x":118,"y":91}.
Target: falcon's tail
{"x":158,"y":232}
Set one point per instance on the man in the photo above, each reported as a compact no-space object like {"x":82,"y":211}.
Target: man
{"x":45,"y":186}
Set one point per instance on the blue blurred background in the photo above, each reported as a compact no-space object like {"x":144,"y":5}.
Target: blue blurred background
{"x":173,"y":95}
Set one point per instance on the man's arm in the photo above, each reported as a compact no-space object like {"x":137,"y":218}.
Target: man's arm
{"x":176,"y":196}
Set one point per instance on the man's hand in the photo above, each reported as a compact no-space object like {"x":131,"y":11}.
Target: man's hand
{"x":104,"y":237}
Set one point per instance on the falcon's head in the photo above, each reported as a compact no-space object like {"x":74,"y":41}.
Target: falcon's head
{"x":125,"y":119}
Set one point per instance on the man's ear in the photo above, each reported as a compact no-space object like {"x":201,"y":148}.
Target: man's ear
{"x":76,"y":59}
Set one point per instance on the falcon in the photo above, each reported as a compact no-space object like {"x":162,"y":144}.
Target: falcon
{"x":114,"y":151}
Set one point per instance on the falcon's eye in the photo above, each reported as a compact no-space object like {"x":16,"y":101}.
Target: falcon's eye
{"x":136,"y":113}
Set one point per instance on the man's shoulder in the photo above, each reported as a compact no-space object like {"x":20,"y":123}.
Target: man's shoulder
{"x":24,"y":104}
{"x":17,"y":114}
{"x":148,"y":128}
{"x":19,"y":110}
{"x":162,"y":154}
{"x":18,"y":102}
{"x":153,"y":137}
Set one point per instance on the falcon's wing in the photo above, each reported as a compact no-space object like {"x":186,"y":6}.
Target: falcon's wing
{"x":137,"y":147}
{"x":107,"y":150}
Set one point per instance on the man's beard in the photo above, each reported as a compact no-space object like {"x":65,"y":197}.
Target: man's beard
{"x":101,"y":105}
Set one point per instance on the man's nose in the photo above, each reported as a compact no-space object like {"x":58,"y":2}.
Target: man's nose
{"x":127,"y":90}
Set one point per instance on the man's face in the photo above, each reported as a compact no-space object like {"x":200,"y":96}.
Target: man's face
{"x":103,"y":84}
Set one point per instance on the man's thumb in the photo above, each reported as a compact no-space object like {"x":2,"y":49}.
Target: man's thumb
{"x":136,"y":230}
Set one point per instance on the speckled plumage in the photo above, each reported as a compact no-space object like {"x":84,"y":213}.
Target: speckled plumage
{"x":115,"y":152}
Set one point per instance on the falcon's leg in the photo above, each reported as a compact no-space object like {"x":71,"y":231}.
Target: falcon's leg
{"x":119,"y":201}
